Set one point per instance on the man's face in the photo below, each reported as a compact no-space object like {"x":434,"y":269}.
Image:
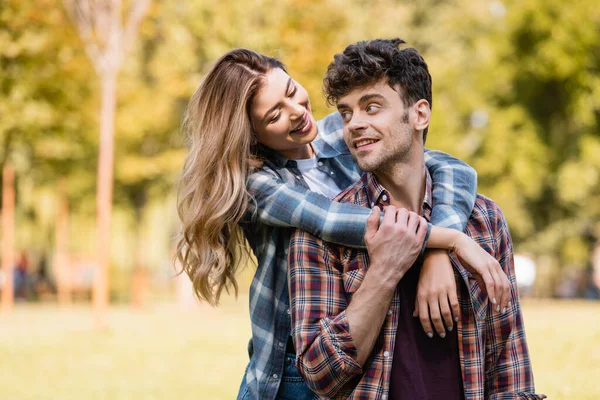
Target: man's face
{"x":378,"y":128}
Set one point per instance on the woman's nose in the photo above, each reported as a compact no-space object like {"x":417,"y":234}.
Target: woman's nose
{"x":297,"y":109}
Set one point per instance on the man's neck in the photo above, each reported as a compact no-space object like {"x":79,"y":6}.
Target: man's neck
{"x":405,"y":181}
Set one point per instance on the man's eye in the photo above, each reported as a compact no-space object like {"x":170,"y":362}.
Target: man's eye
{"x":372,"y":108}
{"x":346,"y":115}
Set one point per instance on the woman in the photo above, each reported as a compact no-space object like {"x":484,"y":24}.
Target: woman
{"x":257,"y":170}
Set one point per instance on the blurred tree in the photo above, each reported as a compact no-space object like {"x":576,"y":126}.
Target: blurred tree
{"x":43,"y":83}
{"x":106,"y":40}
{"x":516,"y":93}
{"x":8,"y":231}
{"x":553,"y":50}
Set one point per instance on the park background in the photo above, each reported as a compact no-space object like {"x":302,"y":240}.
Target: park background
{"x":516,"y":93}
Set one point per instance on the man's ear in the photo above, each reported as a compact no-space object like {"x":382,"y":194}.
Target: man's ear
{"x":422,"y":114}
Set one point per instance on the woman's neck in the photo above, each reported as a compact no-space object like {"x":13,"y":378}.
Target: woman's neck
{"x":300,"y":153}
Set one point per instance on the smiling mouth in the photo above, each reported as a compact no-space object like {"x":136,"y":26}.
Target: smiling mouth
{"x":305,"y":124}
{"x":365,"y":142}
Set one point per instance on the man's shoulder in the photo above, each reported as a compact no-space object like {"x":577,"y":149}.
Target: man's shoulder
{"x":487,"y":220}
{"x":486,"y":208}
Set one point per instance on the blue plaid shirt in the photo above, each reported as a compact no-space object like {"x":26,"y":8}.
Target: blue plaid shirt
{"x":282,"y":202}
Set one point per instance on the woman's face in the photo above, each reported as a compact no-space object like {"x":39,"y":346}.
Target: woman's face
{"x":281,"y":116}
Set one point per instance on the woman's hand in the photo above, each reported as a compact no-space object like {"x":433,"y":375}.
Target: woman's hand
{"x":486,"y":270}
{"x":436,"y":294}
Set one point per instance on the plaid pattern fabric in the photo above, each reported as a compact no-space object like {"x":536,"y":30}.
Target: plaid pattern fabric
{"x":323,"y":276}
{"x":282,"y":202}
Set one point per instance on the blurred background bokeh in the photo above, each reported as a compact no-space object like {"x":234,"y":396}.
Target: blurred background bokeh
{"x":516,"y":93}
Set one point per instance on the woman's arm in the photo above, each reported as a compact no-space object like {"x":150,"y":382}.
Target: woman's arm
{"x":484,"y":268}
{"x":282,"y":204}
{"x":454,"y":189}
{"x":454,"y":194}
{"x":277,"y":203}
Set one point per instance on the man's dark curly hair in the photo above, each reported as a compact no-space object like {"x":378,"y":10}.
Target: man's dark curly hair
{"x":367,"y":62}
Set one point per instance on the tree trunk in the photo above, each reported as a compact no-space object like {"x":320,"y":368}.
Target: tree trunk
{"x":596,"y":265}
{"x":8,"y":236}
{"x":139,"y":282}
{"x":104,"y":196}
{"x":62,"y":265}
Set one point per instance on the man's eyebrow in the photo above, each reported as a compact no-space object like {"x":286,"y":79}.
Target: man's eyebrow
{"x":270,"y":110}
{"x":364,"y":98}
{"x":370,"y":96}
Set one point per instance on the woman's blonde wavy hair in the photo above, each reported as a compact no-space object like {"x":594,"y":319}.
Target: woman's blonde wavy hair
{"x":212,"y":196}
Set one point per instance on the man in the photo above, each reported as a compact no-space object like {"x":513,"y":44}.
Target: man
{"x":352,"y":314}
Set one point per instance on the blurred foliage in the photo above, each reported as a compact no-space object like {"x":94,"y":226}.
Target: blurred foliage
{"x":516,"y":94}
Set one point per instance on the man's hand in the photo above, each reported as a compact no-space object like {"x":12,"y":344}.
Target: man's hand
{"x":436,"y":294}
{"x":486,"y":270}
{"x":394,"y":247}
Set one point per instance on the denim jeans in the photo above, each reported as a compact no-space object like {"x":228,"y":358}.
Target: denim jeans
{"x":292,"y":386}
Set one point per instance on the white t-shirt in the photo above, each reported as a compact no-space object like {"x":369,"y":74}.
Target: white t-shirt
{"x":317,"y":180}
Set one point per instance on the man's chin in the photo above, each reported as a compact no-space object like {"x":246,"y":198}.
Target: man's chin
{"x":365,"y":165}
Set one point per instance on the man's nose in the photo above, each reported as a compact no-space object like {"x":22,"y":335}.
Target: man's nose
{"x":356,"y":124}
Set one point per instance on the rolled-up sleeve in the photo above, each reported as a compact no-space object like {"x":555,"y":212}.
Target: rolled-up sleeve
{"x":326,"y":352}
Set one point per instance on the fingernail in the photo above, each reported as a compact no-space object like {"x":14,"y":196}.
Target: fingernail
{"x":430,"y":335}
{"x":498,"y":308}
{"x":450,"y":328}
{"x":504,"y":310}
{"x":494,"y":300}
{"x":455,"y":319}
{"x":442,"y":335}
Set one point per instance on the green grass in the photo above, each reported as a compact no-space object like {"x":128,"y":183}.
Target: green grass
{"x":168,"y":353}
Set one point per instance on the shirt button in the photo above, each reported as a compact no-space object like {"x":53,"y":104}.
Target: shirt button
{"x":332,"y":173}
{"x":372,"y":204}
{"x":386,"y":354}
{"x":275,"y":376}
{"x":384,"y":197}
{"x":320,"y":163}
{"x":384,"y":397}
{"x":288,"y":311}
{"x":389,"y":312}
{"x":280,"y":345}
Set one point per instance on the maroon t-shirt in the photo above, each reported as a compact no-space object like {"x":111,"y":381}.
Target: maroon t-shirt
{"x":423,"y":368}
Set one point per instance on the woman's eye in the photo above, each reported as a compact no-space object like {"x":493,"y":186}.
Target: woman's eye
{"x":294,"y":91}
{"x":275,"y":118}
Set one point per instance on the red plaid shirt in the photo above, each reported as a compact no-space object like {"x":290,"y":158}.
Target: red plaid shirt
{"x":493,"y":350}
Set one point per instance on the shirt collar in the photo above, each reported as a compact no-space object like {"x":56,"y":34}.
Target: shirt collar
{"x":323,"y":149}
{"x":428,"y":198}
{"x":377,"y":195}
